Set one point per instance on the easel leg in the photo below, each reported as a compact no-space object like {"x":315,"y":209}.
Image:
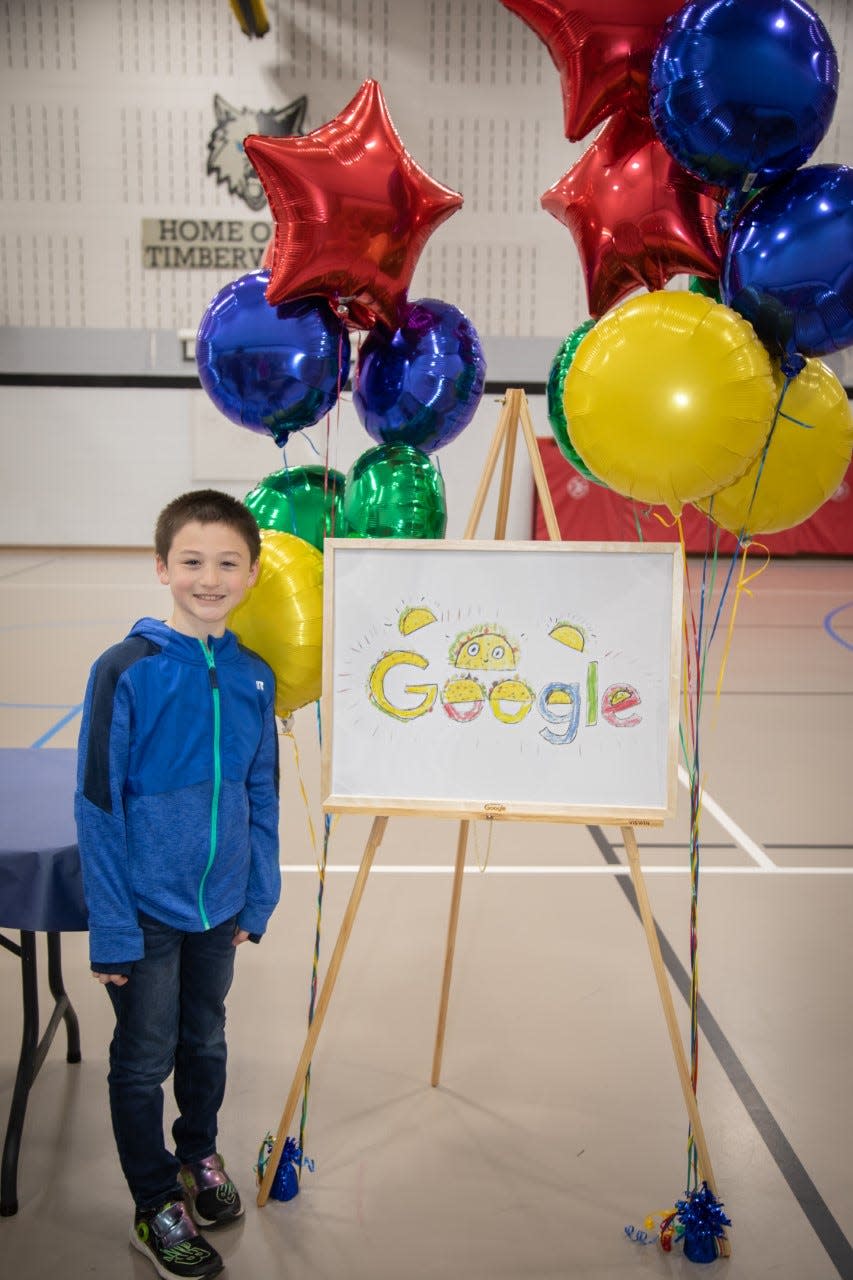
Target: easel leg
{"x":374,"y":840}
{"x":452,"y":924}
{"x":508,"y":415}
{"x":638,"y":880}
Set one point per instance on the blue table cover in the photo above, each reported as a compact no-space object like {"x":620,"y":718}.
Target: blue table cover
{"x":41,"y":886}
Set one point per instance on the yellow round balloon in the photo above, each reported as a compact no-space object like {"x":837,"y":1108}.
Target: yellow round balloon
{"x":669,"y":397}
{"x":281,"y":618}
{"x":805,"y":461}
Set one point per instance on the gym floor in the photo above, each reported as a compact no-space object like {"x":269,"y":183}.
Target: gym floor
{"x":559,"y":1119}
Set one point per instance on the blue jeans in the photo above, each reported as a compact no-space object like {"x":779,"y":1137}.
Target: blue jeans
{"x":170,"y":1015}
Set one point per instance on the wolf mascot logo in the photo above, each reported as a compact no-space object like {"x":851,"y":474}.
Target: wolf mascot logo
{"x":226,"y":159}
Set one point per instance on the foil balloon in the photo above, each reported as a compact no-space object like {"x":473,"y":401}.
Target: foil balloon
{"x":394,"y":491}
{"x":352,"y":211}
{"x":281,"y":618}
{"x":707,"y":288}
{"x":789,"y":264}
{"x":421,"y":384}
{"x":305,"y":501}
{"x":272,"y":369}
{"x":556,"y":412}
{"x":637,"y":217}
{"x":602,"y":50}
{"x":804,"y":462}
{"x":742,"y":94}
{"x":670,"y":398}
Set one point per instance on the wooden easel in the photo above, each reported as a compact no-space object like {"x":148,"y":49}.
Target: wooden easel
{"x":515,"y":410}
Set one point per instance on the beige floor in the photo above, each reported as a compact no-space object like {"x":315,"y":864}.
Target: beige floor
{"x":559,"y":1119}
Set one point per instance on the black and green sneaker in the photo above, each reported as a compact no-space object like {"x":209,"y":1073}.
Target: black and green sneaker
{"x":168,"y":1236}
{"x":213,"y":1198}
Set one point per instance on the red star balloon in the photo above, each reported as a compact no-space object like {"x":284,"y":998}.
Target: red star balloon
{"x":602,"y":50}
{"x":636,"y":216}
{"x":352,"y":211}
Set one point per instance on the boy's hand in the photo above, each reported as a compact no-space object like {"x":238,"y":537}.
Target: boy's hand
{"x":240,"y":935}
{"x":118,"y":978}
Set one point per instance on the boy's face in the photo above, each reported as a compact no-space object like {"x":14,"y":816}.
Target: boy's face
{"x":208,"y":571}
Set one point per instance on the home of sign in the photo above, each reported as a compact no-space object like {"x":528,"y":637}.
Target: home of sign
{"x":203,"y":244}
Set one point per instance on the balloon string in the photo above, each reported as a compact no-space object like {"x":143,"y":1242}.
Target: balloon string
{"x":740,"y":542}
{"x":304,"y":793}
{"x":777,"y":412}
{"x":289,"y":496}
{"x":740,"y":589}
{"x":697,"y":653}
{"x":725,"y":588}
{"x":328,"y":826}
{"x":699,"y":657}
{"x":699,"y":634}
{"x":691,"y":644}
{"x":303,"y":1117}
{"x":708,"y":579}
{"x":798,"y":422}
{"x":308,"y":440}
{"x":688,"y":625}
{"x":333,"y":515}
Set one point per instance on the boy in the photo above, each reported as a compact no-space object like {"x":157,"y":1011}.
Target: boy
{"x":177,"y":819}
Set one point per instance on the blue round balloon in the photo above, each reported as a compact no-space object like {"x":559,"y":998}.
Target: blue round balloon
{"x":421,"y":384}
{"x":789,"y":265}
{"x":742,"y":91}
{"x":271,"y":369}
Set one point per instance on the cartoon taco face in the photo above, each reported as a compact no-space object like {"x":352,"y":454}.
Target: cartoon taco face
{"x":485,"y":649}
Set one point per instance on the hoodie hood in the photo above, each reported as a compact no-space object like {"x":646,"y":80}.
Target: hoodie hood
{"x":185,"y":648}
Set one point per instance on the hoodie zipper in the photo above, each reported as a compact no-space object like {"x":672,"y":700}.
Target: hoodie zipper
{"x":217,"y":777}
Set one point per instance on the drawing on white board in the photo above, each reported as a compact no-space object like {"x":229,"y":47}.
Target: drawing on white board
{"x":488,"y":647}
{"x":539,"y":678}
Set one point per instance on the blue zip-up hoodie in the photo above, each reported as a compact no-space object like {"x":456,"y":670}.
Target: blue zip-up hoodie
{"x":177,"y":789}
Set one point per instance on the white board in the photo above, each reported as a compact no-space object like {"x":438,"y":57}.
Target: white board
{"x":508,"y":680}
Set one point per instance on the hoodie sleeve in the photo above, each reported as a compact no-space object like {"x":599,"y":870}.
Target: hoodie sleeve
{"x":115,"y":938}
{"x":264,"y":887}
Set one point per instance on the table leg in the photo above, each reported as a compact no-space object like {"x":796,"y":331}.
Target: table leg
{"x":33,"y":1050}
{"x":60,"y":996}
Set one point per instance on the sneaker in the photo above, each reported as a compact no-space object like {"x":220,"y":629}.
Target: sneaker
{"x":168,"y":1236}
{"x":213,"y":1198}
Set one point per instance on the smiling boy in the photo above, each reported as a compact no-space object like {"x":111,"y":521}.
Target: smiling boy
{"x":177,"y":818}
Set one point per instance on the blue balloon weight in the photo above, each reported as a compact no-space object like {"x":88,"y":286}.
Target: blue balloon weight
{"x":742,"y":91}
{"x":271,"y":369}
{"x":421,"y":384}
{"x":789,"y":265}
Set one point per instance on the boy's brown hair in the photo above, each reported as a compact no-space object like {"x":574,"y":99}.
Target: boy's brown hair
{"x":206,"y":506}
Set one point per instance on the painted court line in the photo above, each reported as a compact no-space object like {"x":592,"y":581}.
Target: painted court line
{"x":825,"y":1226}
{"x":558,"y":869}
{"x":829,"y":625}
{"x":54,"y":729}
{"x":741,"y":839}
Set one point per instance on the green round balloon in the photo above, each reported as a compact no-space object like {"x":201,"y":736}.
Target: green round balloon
{"x":305,"y":501}
{"x":556,"y":410}
{"x":394,"y":491}
{"x":707,"y":288}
